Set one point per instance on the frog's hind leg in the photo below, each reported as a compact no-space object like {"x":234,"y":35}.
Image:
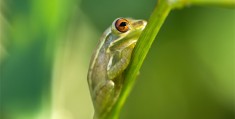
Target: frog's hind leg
{"x":104,"y":98}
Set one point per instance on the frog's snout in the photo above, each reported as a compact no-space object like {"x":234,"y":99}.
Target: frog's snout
{"x":140,"y":24}
{"x":144,"y":23}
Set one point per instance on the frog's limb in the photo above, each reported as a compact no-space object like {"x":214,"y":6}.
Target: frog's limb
{"x":103,"y":98}
{"x":118,"y":65}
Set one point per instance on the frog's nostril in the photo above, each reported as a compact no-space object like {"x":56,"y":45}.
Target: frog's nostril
{"x":140,"y":23}
{"x":144,"y":22}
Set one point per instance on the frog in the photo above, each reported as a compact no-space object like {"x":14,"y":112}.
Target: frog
{"x":110,"y":58}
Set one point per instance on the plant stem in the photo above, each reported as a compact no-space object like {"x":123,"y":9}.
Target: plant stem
{"x":219,"y":3}
{"x":142,"y":47}
{"x":146,"y":39}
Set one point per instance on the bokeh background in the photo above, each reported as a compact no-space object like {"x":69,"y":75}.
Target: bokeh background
{"x":45,"y":48}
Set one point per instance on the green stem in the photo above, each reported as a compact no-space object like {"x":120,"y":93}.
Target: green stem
{"x":142,"y":47}
{"x":146,"y":39}
{"x":219,"y":3}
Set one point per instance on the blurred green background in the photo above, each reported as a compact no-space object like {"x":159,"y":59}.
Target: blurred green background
{"x":45,"y":48}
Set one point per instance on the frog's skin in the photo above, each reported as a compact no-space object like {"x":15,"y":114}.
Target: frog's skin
{"x":110,"y":58}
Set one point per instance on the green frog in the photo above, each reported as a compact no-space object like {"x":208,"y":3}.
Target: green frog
{"x":110,"y":58}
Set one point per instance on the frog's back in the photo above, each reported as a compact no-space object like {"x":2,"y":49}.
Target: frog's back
{"x":98,"y":65}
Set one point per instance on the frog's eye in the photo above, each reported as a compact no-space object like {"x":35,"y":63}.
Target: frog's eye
{"x":122,"y":25}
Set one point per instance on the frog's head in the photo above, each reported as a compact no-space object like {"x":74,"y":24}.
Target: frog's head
{"x":126,"y":31}
{"x":127,"y":26}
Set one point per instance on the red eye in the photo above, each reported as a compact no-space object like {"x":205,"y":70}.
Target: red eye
{"x":122,"y":25}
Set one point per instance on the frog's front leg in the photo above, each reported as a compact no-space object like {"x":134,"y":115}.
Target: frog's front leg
{"x":118,"y":65}
{"x":104,"y":94}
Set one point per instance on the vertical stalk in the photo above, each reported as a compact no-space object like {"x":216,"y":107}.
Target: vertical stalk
{"x":142,"y":47}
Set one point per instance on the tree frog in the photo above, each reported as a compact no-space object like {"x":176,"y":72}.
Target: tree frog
{"x":110,"y":58}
